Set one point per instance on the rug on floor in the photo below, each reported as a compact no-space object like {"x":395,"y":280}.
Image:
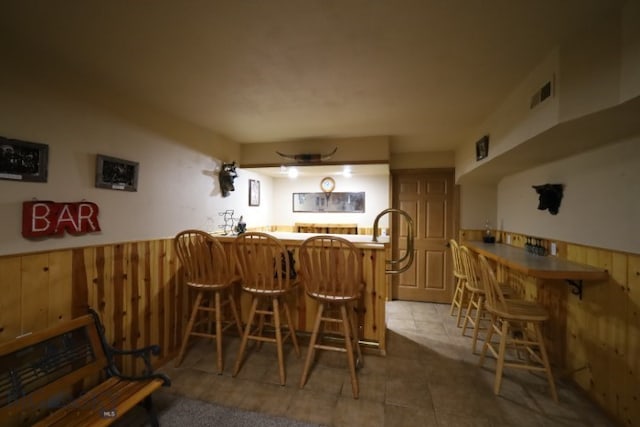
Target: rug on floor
{"x":174,"y":410}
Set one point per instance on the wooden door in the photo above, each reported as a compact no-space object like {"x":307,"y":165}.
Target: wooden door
{"x":428,"y":197}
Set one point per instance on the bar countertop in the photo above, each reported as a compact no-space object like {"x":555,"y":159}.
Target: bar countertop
{"x":363,"y":241}
{"x":542,"y":267}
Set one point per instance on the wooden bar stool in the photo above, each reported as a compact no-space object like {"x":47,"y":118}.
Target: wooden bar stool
{"x":475,"y":307}
{"x":459,"y":294}
{"x":209,"y":272}
{"x":331,"y":269}
{"x":522,"y":317}
{"x":266,"y":273}
{"x":475,"y":311}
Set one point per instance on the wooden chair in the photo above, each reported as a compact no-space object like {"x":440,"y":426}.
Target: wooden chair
{"x":266,"y":272}
{"x":331,"y":270}
{"x":518,"y":324}
{"x":209,"y":272}
{"x":459,"y":294}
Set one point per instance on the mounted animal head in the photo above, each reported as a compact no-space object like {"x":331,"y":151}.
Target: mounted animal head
{"x":226,"y":177}
{"x":550,"y":197}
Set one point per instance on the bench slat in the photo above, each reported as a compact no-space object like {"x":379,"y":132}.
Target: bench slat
{"x":114,"y":394}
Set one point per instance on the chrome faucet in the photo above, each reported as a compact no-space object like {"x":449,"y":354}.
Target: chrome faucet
{"x":409,"y":253}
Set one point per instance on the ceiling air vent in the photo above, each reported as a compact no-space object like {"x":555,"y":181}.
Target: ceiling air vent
{"x":541,"y":94}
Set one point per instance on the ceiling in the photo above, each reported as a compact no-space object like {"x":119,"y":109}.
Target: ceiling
{"x":426,"y":73}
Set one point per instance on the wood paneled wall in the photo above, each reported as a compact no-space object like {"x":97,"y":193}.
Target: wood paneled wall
{"x":601,"y":344}
{"x":136,"y":287}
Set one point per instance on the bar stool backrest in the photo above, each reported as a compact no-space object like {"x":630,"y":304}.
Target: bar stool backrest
{"x":263,"y":262}
{"x":470,"y":268}
{"x":495,"y":300}
{"x":203,"y":258}
{"x":458,"y":269}
{"x":331,"y":267}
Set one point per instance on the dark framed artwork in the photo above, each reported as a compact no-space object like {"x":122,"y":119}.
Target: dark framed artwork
{"x":328,"y":202}
{"x":23,"y":161}
{"x":482,"y":148}
{"x":116,"y":174}
{"x":254,"y":192}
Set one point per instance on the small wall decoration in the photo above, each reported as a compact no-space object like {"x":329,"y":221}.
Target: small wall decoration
{"x":482,"y":147}
{"x":23,"y":161}
{"x":229,"y":221}
{"x":328,"y":202}
{"x":45,"y":218}
{"x":327,"y":184}
{"x":254,"y":192}
{"x":227,"y":175}
{"x":116,"y":174}
{"x":550,"y":197}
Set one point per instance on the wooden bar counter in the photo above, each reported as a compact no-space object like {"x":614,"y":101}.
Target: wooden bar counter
{"x":543,"y":279}
{"x":371,"y":309}
{"x":541,"y":267}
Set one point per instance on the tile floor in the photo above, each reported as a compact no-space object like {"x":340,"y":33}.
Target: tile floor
{"x":428,"y":378}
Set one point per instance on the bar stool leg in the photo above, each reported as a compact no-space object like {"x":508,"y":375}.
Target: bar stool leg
{"x":187,"y":332}
{"x":454,"y":300}
{"x":356,"y":338}
{"x":245,"y":336}
{"x":292,"y":331}
{"x":545,"y":361}
{"x":467,"y":313}
{"x":218,"y":332}
{"x":312,"y":345}
{"x":476,"y":326}
{"x":346,"y":327}
{"x":462,"y":294}
{"x":234,"y":310}
{"x":276,"y":319}
{"x":501,"y":356}
{"x":487,"y":340}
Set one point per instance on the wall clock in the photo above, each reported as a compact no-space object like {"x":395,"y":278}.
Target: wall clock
{"x":327,"y":184}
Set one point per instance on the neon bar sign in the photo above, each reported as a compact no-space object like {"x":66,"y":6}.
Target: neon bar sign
{"x":43,"y":218}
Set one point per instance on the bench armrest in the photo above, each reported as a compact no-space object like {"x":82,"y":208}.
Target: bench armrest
{"x":145,"y":353}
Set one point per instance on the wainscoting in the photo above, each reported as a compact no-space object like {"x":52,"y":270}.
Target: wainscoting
{"x":134,"y":286}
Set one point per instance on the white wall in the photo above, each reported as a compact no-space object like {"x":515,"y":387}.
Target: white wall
{"x":600,"y":207}
{"x":478,"y":204}
{"x":177,"y":186}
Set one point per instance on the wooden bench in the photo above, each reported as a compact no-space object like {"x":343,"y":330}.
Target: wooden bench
{"x":66,"y":375}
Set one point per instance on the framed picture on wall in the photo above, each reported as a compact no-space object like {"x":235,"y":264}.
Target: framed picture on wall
{"x":116,"y":174}
{"x":23,"y":161}
{"x":482,"y":148}
{"x":254,"y":192}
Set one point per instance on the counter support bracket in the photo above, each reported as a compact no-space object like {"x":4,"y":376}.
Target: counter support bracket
{"x":577,"y":287}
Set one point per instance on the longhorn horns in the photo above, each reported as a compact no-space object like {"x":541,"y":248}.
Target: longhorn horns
{"x":308,"y":158}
